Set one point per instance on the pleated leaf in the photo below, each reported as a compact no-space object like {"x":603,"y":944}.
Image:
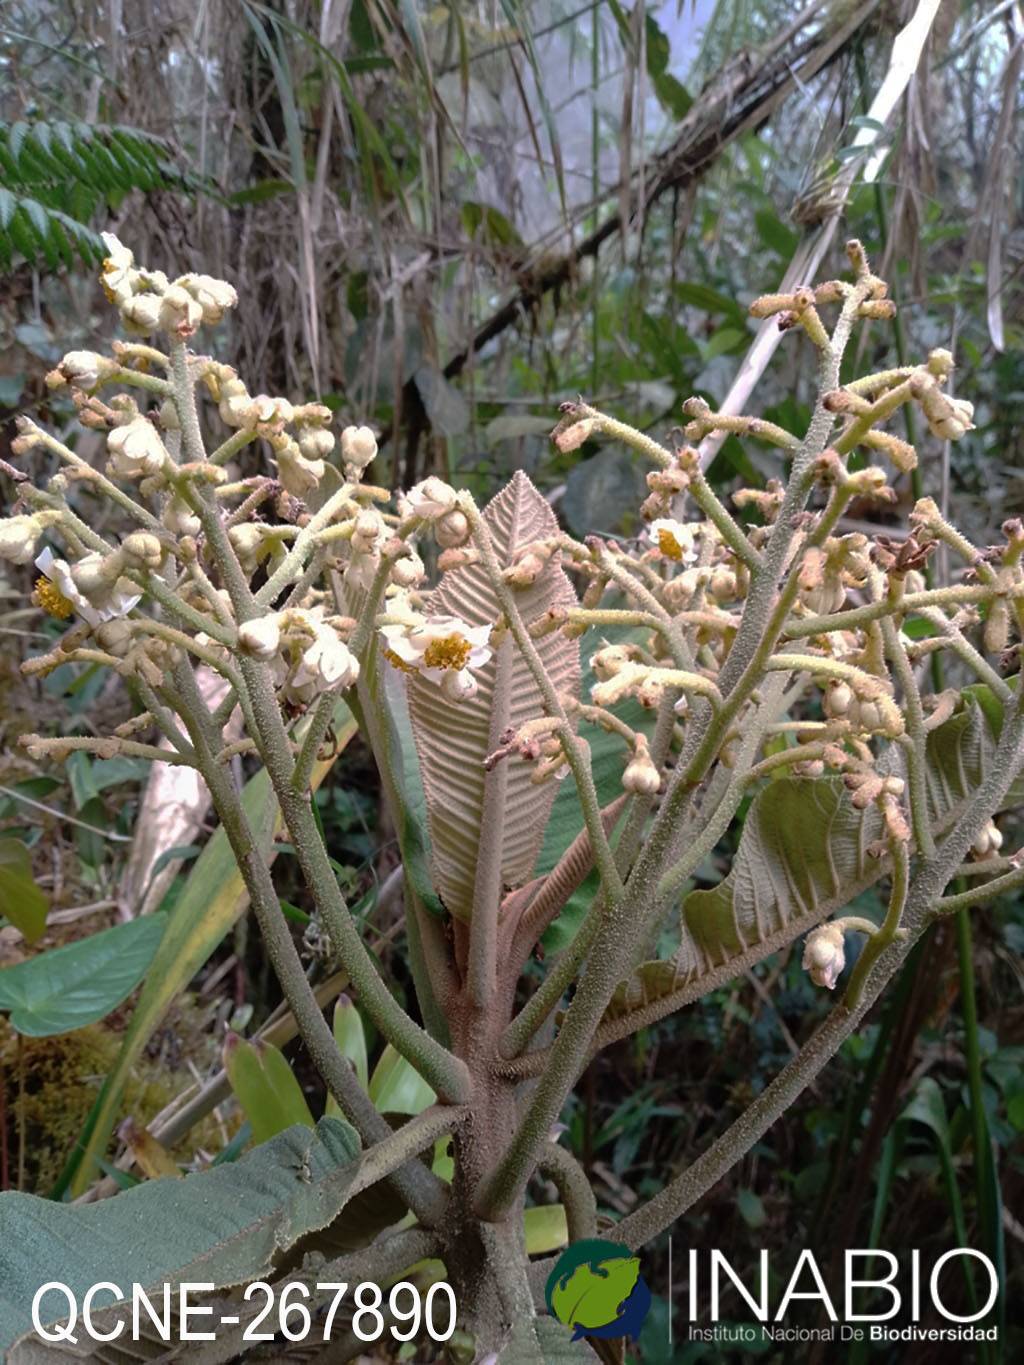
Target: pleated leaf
{"x":802,"y":856}
{"x":453,"y":739}
{"x":226,"y":1226}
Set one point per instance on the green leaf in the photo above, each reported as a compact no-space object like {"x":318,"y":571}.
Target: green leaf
{"x":21,"y":900}
{"x":67,"y":988}
{"x":226,"y":1226}
{"x":803,"y":851}
{"x":265,"y":1086}
{"x":545,"y":1229}
{"x":211,"y":901}
{"x":350,"y":1036}
{"x":591,"y":1295}
{"x":396,"y":1087}
{"x":802,"y":855}
{"x":774,"y":233}
{"x":513,"y":426}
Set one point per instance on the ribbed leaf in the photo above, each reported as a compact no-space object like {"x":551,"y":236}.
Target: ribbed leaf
{"x":226,"y":1226}
{"x":802,"y":856}
{"x":452,"y":740}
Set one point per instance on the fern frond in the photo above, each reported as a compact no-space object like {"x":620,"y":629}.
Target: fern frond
{"x":55,"y":175}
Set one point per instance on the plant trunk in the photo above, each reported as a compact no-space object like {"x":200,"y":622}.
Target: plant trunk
{"x":486,"y":1261}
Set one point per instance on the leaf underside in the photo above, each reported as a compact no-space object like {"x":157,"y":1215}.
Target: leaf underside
{"x":226,"y":1226}
{"x":802,"y":856}
{"x":452,"y":740}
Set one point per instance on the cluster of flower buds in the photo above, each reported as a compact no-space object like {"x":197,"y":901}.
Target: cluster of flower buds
{"x":828,"y":571}
{"x":867,"y":711}
{"x":306,"y":651}
{"x":149,"y":302}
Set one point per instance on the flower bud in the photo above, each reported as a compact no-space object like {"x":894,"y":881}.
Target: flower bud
{"x":298,"y":475}
{"x":452,"y":530}
{"x":18,"y":537}
{"x":316,"y":443}
{"x":142,"y":313}
{"x":234,"y":402}
{"x":824,"y":955}
{"x":408,"y":571}
{"x":572,"y":437}
{"x":136,"y":450}
{"x":214,"y":297}
{"x":641,"y":775}
{"x":179,"y":518}
{"x":272,"y":411}
{"x":179,"y":311}
{"x":837,"y":700}
{"x":248,"y":543}
{"x":358,"y":447}
{"x":85,"y":369}
{"x":431,"y":499}
{"x":723,"y":584}
{"x":368,"y":532}
{"x":260,"y":639}
{"x":988,"y":842}
{"x":115,"y":637}
{"x":144,"y":549}
{"x":94,"y":573}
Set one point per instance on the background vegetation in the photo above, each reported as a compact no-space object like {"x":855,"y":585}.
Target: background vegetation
{"x":443,"y":220}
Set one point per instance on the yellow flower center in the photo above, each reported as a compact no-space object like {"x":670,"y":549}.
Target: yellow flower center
{"x":448,"y":651}
{"x":669,"y":545}
{"x":52,"y":600}
{"x":396,"y":662}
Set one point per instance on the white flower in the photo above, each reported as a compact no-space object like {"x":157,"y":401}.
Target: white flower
{"x":260,"y":638}
{"x":214,"y":297}
{"x":431,"y":499}
{"x":136,"y":450}
{"x":18,"y":537}
{"x":444,"y":649}
{"x":328,"y":660}
{"x":358,"y":446}
{"x":117,"y":270}
{"x":824,"y":956}
{"x":673,"y":540}
{"x":104,"y":602}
